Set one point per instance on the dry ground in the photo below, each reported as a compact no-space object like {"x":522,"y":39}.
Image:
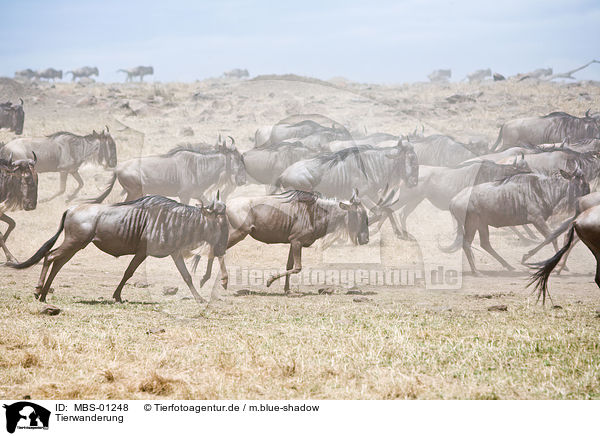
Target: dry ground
{"x":388,"y":342}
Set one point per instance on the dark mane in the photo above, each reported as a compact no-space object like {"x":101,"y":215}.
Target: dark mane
{"x":299,"y":196}
{"x":65,"y":133}
{"x":558,"y":114}
{"x":336,"y":157}
{"x":521,"y":177}
{"x":202,"y":148}
{"x":275,"y":147}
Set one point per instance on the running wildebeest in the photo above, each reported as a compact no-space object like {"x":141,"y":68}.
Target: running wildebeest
{"x":444,"y":151}
{"x":185,"y":172}
{"x":150,"y":226}
{"x":479,"y":75}
{"x":26,"y":74}
{"x":587,"y":226}
{"x":297,"y":218}
{"x":50,"y":74}
{"x":336,"y":174}
{"x":266,"y":164}
{"x":64,"y":152}
{"x":18,"y":190}
{"x":555,"y":127}
{"x":140,"y":72}
{"x":517,"y":200}
{"x":12,"y":116}
{"x":440,"y":184}
{"x":83,"y":72}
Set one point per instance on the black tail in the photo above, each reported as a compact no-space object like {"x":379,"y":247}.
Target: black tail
{"x":104,"y":193}
{"x":550,"y":238}
{"x":455,"y":246}
{"x":541,"y":276}
{"x":43,"y":250}
{"x":493,"y":148}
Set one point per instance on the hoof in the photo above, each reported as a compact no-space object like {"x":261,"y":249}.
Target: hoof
{"x":270,"y":281}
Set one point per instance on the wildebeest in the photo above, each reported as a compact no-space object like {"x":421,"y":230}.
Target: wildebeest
{"x":266,"y":164}
{"x":587,"y":226}
{"x":336,"y":174}
{"x":299,"y":130}
{"x":140,"y":72}
{"x":444,"y":151}
{"x":64,"y":152}
{"x":440,"y":75}
{"x":517,"y":200}
{"x":18,"y":190}
{"x":440,"y":184}
{"x":236,"y":73}
{"x":185,"y":172}
{"x":297,"y":218}
{"x":555,"y":127}
{"x":50,"y":74}
{"x":150,"y":226}
{"x":12,"y":116}
{"x":479,"y":75}
{"x":83,"y":72}
{"x":26,"y":74}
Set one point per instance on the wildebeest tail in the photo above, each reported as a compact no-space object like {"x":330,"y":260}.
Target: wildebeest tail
{"x":541,"y":276}
{"x":104,"y":193}
{"x":455,"y":246}
{"x":495,"y":146}
{"x":44,"y":249}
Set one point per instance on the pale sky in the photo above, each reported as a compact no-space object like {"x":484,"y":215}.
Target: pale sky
{"x":378,"y":41}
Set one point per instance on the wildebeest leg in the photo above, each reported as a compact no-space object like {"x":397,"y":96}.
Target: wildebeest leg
{"x":209,"y":264}
{"x":484,"y":241}
{"x":468,"y":236}
{"x":133,"y":265}
{"x":79,"y":181}
{"x":562,"y":265}
{"x":224,"y":274}
{"x":289,"y":266}
{"x":40,"y":285}
{"x":61,"y":189}
{"x":180,"y":264}
{"x":521,"y":237}
{"x":530,"y":233}
{"x":11,"y":224}
{"x":406,"y":211}
{"x":9,"y":257}
{"x":58,"y":259}
{"x":296,"y":249}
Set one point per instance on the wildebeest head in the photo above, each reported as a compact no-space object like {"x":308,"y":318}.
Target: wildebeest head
{"x":578,"y":185}
{"x":216,"y":212}
{"x":408,"y":161}
{"x":107,"y":149}
{"x":24,"y":170}
{"x":234,"y":165}
{"x":357,"y":220}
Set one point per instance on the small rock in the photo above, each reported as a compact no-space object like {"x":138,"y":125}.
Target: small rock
{"x":89,"y":100}
{"x":325,"y":291}
{"x":50,"y":310}
{"x":141,"y":284}
{"x":498,"y":77}
{"x":243,"y":292}
{"x":498,"y":308}
{"x":170,"y":290}
{"x":598,"y":312}
{"x":361,"y":300}
{"x":354,"y":292}
{"x":155,"y":331}
{"x":556,"y":306}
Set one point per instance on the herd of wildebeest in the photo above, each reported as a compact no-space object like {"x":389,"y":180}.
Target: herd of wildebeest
{"x":321,"y":181}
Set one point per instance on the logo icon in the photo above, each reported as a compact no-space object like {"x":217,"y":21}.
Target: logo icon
{"x":26,"y":415}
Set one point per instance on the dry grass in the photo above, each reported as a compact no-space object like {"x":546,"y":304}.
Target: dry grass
{"x":402,"y":345}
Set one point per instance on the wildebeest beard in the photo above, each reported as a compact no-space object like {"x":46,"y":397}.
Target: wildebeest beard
{"x":16,"y":191}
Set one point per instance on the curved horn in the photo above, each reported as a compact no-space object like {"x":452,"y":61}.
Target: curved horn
{"x":232,"y":141}
{"x":34,"y":157}
{"x":587,"y":113}
{"x":107,"y":130}
{"x":218,"y":197}
{"x":21,"y":101}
